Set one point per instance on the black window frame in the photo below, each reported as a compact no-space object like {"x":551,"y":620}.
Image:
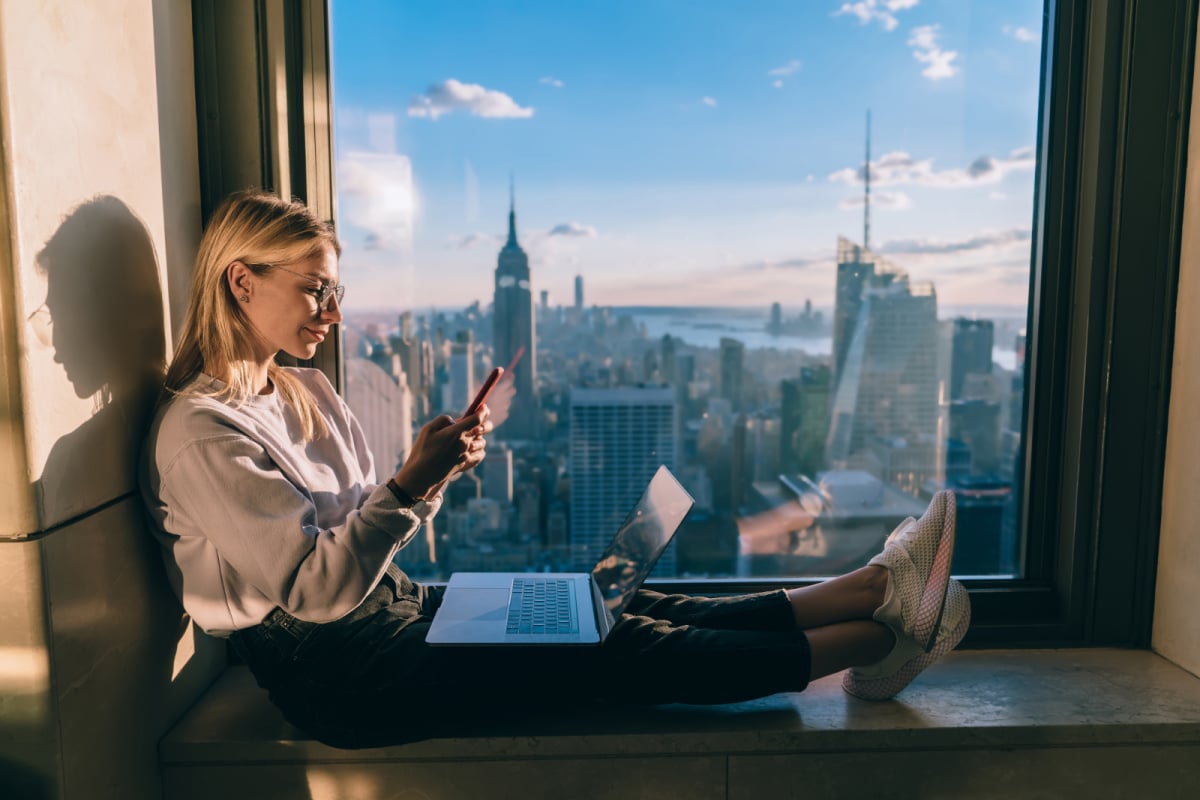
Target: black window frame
{"x":1117,"y":82}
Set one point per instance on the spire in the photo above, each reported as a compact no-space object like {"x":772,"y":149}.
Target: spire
{"x":512,"y":212}
{"x":867,"y":191}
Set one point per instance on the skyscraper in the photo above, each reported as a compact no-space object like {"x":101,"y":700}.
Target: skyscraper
{"x":733,"y":355}
{"x":666,"y":356}
{"x":618,"y":439}
{"x":976,"y":423}
{"x":579,"y":293}
{"x":416,"y":362}
{"x":858,"y":270}
{"x":888,"y":388}
{"x":514,"y":332}
{"x":854,"y":273}
{"x":382,"y":402}
{"x":970,"y":352}
{"x":804,"y":421}
{"x":498,"y":474}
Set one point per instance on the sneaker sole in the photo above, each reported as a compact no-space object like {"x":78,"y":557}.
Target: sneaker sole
{"x":889,"y":686}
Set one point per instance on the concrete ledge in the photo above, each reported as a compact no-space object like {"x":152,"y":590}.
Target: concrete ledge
{"x":992,"y":724}
{"x":971,"y":700}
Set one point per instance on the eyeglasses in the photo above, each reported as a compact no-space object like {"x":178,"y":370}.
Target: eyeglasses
{"x":322,"y":293}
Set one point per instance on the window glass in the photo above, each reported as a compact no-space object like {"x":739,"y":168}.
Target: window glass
{"x":782,"y":248}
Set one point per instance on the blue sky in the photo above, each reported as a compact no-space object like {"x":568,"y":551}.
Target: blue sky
{"x":702,"y":152}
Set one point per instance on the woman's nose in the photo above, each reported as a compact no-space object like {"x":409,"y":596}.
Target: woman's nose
{"x":333,"y":310}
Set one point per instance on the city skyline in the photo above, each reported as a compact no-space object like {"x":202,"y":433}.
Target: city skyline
{"x":714,"y":169}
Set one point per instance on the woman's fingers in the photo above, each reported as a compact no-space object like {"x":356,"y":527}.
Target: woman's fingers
{"x":447,"y":446}
{"x":475,"y":449}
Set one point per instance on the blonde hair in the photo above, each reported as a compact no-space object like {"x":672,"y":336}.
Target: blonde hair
{"x":259,"y":230}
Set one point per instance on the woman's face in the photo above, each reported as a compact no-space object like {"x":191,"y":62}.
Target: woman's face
{"x":283,"y":305}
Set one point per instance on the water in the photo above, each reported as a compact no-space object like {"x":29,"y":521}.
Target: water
{"x":705,"y":327}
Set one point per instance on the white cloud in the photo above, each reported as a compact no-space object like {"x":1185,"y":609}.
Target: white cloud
{"x":472,"y":240}
{"x":778,"y":84}
{"x":796,"y":263}
{"x":551,"y":81}
{"x":451,"y":95}
{"x":375,"y":192}
{"x":787,"y":69}
{"x":924,"y":37}
{"x":987,"y":240}
{"x":897,"y":201}
{"x":938,"y":62}
{"x":997,"y":196}
{"x":1021,"y":33}
{"x":708,"y":101}
{"x":572,"y":229}
{"x":880,"y":11}
{"x":899,"y":168}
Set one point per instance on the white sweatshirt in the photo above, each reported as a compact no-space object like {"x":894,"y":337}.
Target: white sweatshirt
{"x":251,"y":517}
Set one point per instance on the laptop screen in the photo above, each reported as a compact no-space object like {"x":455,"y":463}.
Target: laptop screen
{"x":641,"y":539}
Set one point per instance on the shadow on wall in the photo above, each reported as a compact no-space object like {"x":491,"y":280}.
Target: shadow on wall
{"x":121,"y":642}
{"x":103,"y":316}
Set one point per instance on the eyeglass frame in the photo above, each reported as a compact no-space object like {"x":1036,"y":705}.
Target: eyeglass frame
{"x":326,"y":291}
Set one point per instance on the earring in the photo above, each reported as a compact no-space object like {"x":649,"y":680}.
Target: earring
{"x":245,"y":298}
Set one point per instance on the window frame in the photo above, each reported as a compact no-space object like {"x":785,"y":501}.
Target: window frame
{"x":1117,"y":78}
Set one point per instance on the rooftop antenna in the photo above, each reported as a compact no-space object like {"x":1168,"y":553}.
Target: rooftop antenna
{"x":867,"y":190}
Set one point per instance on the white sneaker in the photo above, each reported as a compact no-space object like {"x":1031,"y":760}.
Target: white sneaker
{"x":884,"y":679}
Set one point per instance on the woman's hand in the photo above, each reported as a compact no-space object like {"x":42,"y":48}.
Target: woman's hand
{"x":443,"y":448}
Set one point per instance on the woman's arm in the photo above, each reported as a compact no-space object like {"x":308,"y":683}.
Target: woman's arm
{"x":265,"y":529}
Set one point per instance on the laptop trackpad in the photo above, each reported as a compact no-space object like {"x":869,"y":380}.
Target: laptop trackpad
{"x":474,"y":604}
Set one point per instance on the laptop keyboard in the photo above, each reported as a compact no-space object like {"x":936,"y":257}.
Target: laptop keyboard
{"x":542,"y":605}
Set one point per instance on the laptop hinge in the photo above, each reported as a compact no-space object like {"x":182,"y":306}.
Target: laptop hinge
{"x":604,"y":618}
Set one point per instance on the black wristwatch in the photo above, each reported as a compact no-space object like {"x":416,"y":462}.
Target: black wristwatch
{"x":405,"y":499}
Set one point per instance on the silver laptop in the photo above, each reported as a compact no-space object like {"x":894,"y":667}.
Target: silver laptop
{"x":540,"y":608}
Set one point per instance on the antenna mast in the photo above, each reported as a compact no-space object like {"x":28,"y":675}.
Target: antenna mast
{"x":867,"y":190}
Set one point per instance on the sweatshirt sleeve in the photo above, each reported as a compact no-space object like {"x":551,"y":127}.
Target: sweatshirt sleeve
{"x":228,"y":490}
{"x":424,"y":511}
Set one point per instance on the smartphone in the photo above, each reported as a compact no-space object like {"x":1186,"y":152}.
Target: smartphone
{"x":482,"y":395}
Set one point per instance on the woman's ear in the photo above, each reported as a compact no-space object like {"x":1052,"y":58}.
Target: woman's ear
{"x":240,"y":280}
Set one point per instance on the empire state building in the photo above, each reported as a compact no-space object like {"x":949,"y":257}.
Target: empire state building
{"x":514,"y":332}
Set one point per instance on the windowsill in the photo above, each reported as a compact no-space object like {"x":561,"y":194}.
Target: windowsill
{"x":973,"y":700}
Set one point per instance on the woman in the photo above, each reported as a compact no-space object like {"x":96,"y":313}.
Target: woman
{"x":278,"y":536}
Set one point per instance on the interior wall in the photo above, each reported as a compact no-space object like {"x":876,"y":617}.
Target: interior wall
{"x":101,"y":220}
{"x":1176,"y":623}
{"x":86,"y":213}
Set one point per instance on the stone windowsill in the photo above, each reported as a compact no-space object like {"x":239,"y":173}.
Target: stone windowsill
{"x":983,"y":699}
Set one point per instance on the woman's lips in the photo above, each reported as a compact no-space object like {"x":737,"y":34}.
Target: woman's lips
{"x":317,"y":336}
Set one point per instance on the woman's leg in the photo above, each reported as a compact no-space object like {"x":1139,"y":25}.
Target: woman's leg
{"x":837,"y":616}
{"x":853,"y":596}
{"x":836,"y":647}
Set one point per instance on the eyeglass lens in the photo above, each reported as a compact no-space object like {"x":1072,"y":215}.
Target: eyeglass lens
{"x":328,"y":292}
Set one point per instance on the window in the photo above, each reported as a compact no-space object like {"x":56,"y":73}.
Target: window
{"x":679,"y":233}
{"x":1115,"y":86}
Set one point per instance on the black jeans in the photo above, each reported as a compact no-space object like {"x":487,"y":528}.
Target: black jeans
{"x":370,"y":679}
